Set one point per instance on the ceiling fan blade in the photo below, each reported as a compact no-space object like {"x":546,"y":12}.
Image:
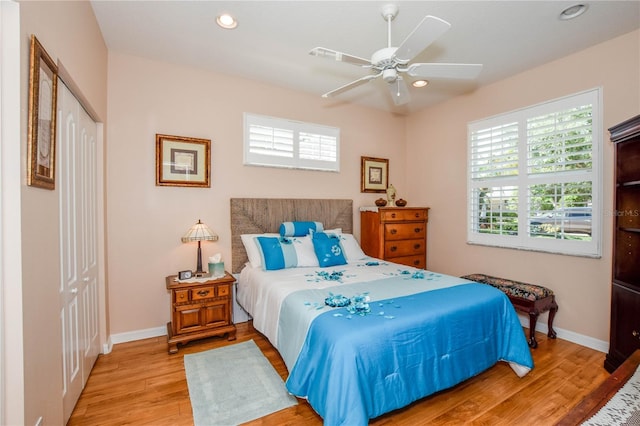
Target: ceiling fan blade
{"x":351,"y":85}
{"x":339,"y":56}
{"x":399,"y":92}
{"x":439,"y":70}
{"x":427,"y":31}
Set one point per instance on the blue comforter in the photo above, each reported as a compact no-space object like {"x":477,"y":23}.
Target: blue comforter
{"x":352,"y":368}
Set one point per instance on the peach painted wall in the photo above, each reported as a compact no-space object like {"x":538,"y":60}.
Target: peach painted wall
{"x":70,"y":34}
{"x":437,"y":173}
{"x":145,"y":221}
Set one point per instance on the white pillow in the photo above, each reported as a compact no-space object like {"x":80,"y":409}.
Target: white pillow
{"x":305,"y":252}
{"x":252,"y":247}
{"x":352,"y":249}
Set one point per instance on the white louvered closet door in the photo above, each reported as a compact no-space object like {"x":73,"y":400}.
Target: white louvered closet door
{"x":77,"y":149}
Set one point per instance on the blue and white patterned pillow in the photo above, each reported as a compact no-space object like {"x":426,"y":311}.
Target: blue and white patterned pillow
{"x":328,"y":249}
{"x":299,"y":229}
{"x":277,"y":253}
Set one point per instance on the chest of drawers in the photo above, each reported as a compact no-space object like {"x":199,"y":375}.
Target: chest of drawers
{"x":397,"y":234}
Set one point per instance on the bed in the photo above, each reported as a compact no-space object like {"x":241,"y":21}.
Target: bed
{"x":368,"y":336}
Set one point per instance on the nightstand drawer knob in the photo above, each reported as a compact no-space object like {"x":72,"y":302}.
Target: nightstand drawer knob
{"x":417,"y":230}
{"x":393,"y":231}
{"x":203,"y":293}
{"x":416,"y":246}
{"x":393,"y":248}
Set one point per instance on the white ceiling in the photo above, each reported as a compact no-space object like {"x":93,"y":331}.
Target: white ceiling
{"x":273,"y":38}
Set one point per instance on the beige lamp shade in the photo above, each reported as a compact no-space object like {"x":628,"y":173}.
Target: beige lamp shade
{"x":199,"y":232}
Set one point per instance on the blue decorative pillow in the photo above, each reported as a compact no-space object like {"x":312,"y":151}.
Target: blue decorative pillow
{"x":277,"y":253}
{"x":328,"y":249}
{"x":299,"y":229}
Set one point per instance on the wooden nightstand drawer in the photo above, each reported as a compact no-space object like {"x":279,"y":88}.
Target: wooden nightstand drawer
{"x":403,"y":248}
{"x":404,"y":231}
{"x":181,"y":296}
{"x":404,"y":215}
{"x":223,"y":290}
{"x":203,"y":293}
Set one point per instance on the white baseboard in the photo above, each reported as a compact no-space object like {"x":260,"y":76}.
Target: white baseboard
{"x":130,"y":336}
{"x":580,"y":339}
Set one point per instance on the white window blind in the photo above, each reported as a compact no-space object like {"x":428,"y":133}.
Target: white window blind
{"x":278,"y":142}
{"x":535,"y":177}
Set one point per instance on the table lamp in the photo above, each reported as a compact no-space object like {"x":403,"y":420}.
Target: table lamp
{"x":199,"y":232}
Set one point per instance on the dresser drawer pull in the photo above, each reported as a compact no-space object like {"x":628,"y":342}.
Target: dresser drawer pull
{"x":417,"y":215}
{"x":394,"y":248}
{"x":417,"y":230}
{"x":416,"y":262}
{"x":393,"y":231}
{"x":203,"y":293}
{"x":416,"y":246}
{"x":393,"y":215}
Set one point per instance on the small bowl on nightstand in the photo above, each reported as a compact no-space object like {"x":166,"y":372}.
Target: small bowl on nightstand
{"x":401,"y":202}
{"x":381,"y":202}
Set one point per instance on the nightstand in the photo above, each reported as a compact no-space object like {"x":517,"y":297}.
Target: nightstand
{"x":200,"y":308}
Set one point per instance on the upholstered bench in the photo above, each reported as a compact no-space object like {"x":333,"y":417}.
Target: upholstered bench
{"x":529,"y":298}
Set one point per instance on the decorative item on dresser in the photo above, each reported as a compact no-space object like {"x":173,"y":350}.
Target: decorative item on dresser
{"x":199,"y":308}
{"x":397,"y":234}
{"x":625,"y":289}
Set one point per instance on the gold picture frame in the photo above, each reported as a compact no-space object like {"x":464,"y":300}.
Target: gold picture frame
{"x":375,"y":174}
{"x":182,"y":161}
{"x":41,"y":138}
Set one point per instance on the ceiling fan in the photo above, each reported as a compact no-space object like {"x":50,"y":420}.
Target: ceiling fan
{"x":391,"y":62}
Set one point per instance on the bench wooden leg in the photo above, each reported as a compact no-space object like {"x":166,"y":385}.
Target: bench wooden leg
{"x":552,"y":314}
{"x":533,"y":319}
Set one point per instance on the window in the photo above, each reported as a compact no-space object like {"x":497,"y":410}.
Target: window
{"x":534,"y":177}
{"x":277,"y":142}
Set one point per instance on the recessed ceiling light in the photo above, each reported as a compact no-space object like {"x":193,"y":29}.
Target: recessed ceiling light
{"x":420,"y":83}
{"x":573,"y":11}
{"x":227,"y":21}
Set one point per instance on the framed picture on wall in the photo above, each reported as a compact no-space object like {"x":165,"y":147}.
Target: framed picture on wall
{"x":41,"y":132}
{"x":182,"y":161}
{"x":375,"y":174}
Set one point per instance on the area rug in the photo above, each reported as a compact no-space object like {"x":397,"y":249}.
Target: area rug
{"x":233,"y":384}
{"x":623,"y":408}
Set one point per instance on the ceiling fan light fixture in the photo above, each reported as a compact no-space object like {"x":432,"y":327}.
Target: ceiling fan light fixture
{"x":572,"y":12}
{"x":420,"y":83}
{"x":226,"y":21}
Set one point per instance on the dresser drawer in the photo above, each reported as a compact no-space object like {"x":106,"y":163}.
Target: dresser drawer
{"x":404,"y":231}
{"x":418,"y":261}
{"x":403,"y":248}
{"x":403,"y":215}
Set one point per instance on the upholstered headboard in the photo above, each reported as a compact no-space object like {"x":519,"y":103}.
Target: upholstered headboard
{"x":261,"y":215}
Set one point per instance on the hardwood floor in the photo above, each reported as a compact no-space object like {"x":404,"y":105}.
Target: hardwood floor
{"x":139,"y":383}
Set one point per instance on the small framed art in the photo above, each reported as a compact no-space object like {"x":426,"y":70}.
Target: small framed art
{"x":182,"y":161}
{"x":375,"y":174}
{"x":43,"y":90}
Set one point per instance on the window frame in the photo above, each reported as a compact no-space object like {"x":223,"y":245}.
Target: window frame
{"x":296,"y":161}
{"x":523,"y":180}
